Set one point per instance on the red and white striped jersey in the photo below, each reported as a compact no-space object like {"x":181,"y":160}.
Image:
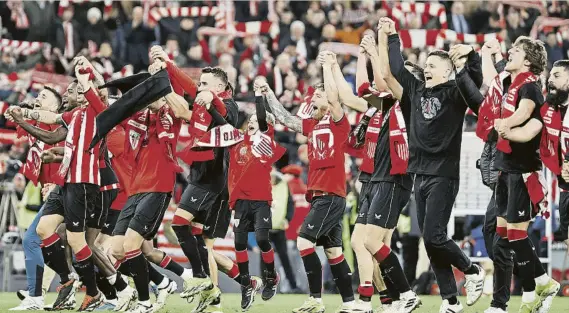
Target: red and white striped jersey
{"x":84,"y":163}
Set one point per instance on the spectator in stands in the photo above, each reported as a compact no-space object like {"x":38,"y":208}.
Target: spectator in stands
{"x":95,"y":31}
{"x":285,"y":25}
{"x":244,"y":88}
{"x":226,"y":64}
{"x":291,"y":97}
{"x":105,"y":62}
{"x":187,"y":34}
{"x":457,"y":20}
{"x":334,"y":18}
{"x":195,"y":57}
{"x":41,"y":17}
{"x":9,"y":63}
{"x":280,"y":71}
{"x":316,"y":20}
{"x":493,"y":25}
{"x":350,"y":34}
{"x":138,"y":39}
{"x":519,"y":23}
{"x":173,"y":50}
{"x":68,"y":35}
{"x":555,"y":51}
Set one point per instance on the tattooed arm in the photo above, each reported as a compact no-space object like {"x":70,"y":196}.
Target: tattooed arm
{"x":281,"y":114}
{"x":45,"y":117}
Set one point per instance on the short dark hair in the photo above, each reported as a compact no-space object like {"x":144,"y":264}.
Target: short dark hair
{"x":443,"y":55}
{"x":535,"y":53}
{"x":219,"y":73}
{"x":57,"y":96}
{"x":562,"y":63}
{"x":319,"y":86}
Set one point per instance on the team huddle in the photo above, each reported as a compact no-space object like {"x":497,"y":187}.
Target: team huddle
{"x":108,"y":167}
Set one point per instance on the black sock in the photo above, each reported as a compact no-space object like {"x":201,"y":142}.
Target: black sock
{"x":171,"y":265}
{"x":452,"y":300}
{"x":242,"y":259}
{"x":313,"y":269}
{"x":471,"y":270}
{"x":106,"y":288}
{"x":342,"y":277}
{"x":538,"y":267}
{"x":391,"y":288}
{"x":385,"y":297}
{"x":54,"y":257}
{"x":189,"y":245}
{"x":140,"y":273}
{"x":392,"y":269}
{"x":203,"y":254}
{"x":154,"y":275}
{"x":503,"y":268}
{"x":525,"y":260}
{"x":86,"y":271}
{"x":120,"y":283}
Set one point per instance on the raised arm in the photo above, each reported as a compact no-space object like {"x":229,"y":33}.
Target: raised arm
{"x":180,"y":81}
{"x":368,"y":43}
{"x":281,"y":114}
{"x":41,"y":116}
{"x":49,"y":137}
{"x":361,"y":69}
{"x":179,"y":106}
{"x":383,"y":59}
{"x":345,"y":91}
{"x":332,"y":92}
{"x":467,"y":91}
{"x":260,"y":111}
{"x":397,"y":65}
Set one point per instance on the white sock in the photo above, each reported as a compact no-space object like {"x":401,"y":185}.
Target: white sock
{"x":349,"y":302}
{"x":187,"y":274}
{"x":112,"y":279}
{"x":528,"y":296}
{"x":145,"y":303}
{"x":164,"y":283}
{"x":542,"y":280}
{"x":319,"y":300}
{"x":406,"y":295}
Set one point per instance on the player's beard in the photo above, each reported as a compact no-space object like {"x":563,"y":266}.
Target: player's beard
{"x":558,"y":98}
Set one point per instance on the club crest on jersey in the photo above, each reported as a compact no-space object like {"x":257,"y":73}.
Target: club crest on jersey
{"x":134,"y":138}
{"x":243,"y":151}
{"x":430,"y":107}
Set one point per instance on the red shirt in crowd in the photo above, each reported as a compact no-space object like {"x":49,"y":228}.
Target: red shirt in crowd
{"x":154,"y":171}
{"x":329,"y":179}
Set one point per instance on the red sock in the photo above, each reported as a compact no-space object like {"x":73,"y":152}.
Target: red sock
{"x":83,"y":254}
{"x":382,"y":253}
{"x":50,"y":240}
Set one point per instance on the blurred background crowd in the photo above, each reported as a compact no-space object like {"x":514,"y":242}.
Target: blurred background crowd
{"x":277,"y":39}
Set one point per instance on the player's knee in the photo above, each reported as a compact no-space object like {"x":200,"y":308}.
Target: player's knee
{"x":333,"y":252}
{"x":371,"y":245}
{"x":304,"y":244}
{"x":117,"y":252}
{"x":262,"y":237}
{"x":241,"y":241}
{"x":358,"y":243}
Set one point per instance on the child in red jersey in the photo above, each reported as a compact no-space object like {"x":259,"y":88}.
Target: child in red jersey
{"x":251,"y":157}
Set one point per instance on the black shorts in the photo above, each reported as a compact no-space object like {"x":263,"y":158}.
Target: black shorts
{"x":564,"y":214}
{"x":143,"y":213}
{"x":323,"y":224}
{"x":110,"y":222}
{"x":54,"y":203}
{"x":251,"y":215}
{"x":512,"y":198}
{"x":104,"y":202}
{"x":196,"y":199}
{"x":82,"y":204}
{"x":381,"y":203}
{"x":215,"y":221}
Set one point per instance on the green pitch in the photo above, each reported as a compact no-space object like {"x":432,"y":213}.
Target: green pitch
{"x":285,"y":303}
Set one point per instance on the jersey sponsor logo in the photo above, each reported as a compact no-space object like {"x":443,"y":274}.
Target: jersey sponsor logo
{"x":430,"y":107}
